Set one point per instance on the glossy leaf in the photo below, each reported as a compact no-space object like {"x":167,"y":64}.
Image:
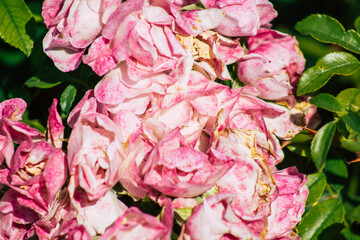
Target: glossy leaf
{"x":349,"y":98}
{"x":347,"y":233}
{"x":355,"y":214}
{"x":357,"y":24}
{"x":327,"y":29}
{"x":47,"y":78}
{"x":322,"y":220}
{"x":352,"y":120}
{"x":321,"y":143}
{"x":300,"y":149}
{"x":350,"y":145}
{"x":14,"y":14}
{"x":316,"y":183}
{"x":301,"y":137}
{"x":67,"y":98}
{"x":336,"y":172}
{"x":327,"y":101}
{"x":340,"y":63}
{"x":341,"y":127}
{"x":192,"y":7}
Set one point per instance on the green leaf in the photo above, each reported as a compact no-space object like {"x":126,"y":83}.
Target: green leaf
{"x":321,"y":143}
{"x":341,"y":127}
{"x":357,"y":24}
{"x":347,"y":233}
{"x":182,"y":214}
{"x":47,"y":78}
{"x":355,"y":214}
{"x":349,"y":98}
{"x":340,"y":63}
{"x":14,"y":14}
{"x":67,"y":98}
{"x":316,"y":183}
{"x":350,"y":145}
{"x":192,"y":7}
{"x":301,"y":137}
{"x":327,"y":101}
{"x":327,"y":29}
{"x":352,"y":120}
{"x":35,"y":123}
{"x":300,"y":149}
{"x":322,"y":221}
{"x":336,"y":172}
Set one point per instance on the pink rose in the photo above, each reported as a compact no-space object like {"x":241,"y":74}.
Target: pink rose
{"x":134,"y":224}
{"x":15,"y":219}
{"x":38,"y":172}
{"x":249,"y":179}
{"x":212,"y":52}
{"x":118,"y":92}
{"x":87,"y":104}
{"x":95,"y":154}
{"x":11,"y":112}
{"x":202,"y":20}
{"x":214,"y":219}
{"x":95,"y":215}
{"x":289,"y":205}
{"x":55,"y":128}
{"x":273,"y":64}
{"x":242,"y":17}
{"x":176,"y":169}
{"x":147,"y":43}
{"x":73,"y":25}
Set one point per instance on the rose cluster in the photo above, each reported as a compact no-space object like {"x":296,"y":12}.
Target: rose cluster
{"x":160,"y":127}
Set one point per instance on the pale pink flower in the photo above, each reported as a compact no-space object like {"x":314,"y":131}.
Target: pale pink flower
{"x":73,"y":25}
{"x":95,"y":154}
{"x":15,"y":220}
{"x":273,"y":64}
{"x":140,"y":34}
{"x":212,"y":52}
{"x":249,"y":179}
{"x":289,"y":205}
{"x":242,"y":17}
{"x":96,"y":215}
{"x":134,"y":224}
{"x":118,"y":92}
{"x":55,"y":127}
{"x":174,"y":168}
{"x":215,"y":219}
{"x":11,"y":112}
{"x":38,"y":171}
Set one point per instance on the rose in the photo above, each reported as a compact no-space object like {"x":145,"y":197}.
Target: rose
{"x":211,"y":51}
{"x":95,"y":215}
{"x":140,"y":34}
{"x":15,"y":219}
{"x":55,"y":128}
{"x":221,"y":221}
{"x":37,"y":168}
{"x":134,"y":224}
{"x":289,"y":205}
{"x":11,"y":112}
{"x":242,"y":18}
{"x":73,"y":25}
{"x":273,"y":64}
{"x":95,"y":154}
{"x":176,"y":169}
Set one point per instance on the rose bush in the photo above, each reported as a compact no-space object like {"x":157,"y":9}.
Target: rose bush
{"x":158,"y":127}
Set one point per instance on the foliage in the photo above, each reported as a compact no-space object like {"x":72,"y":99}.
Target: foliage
{"x":327,"y":219}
